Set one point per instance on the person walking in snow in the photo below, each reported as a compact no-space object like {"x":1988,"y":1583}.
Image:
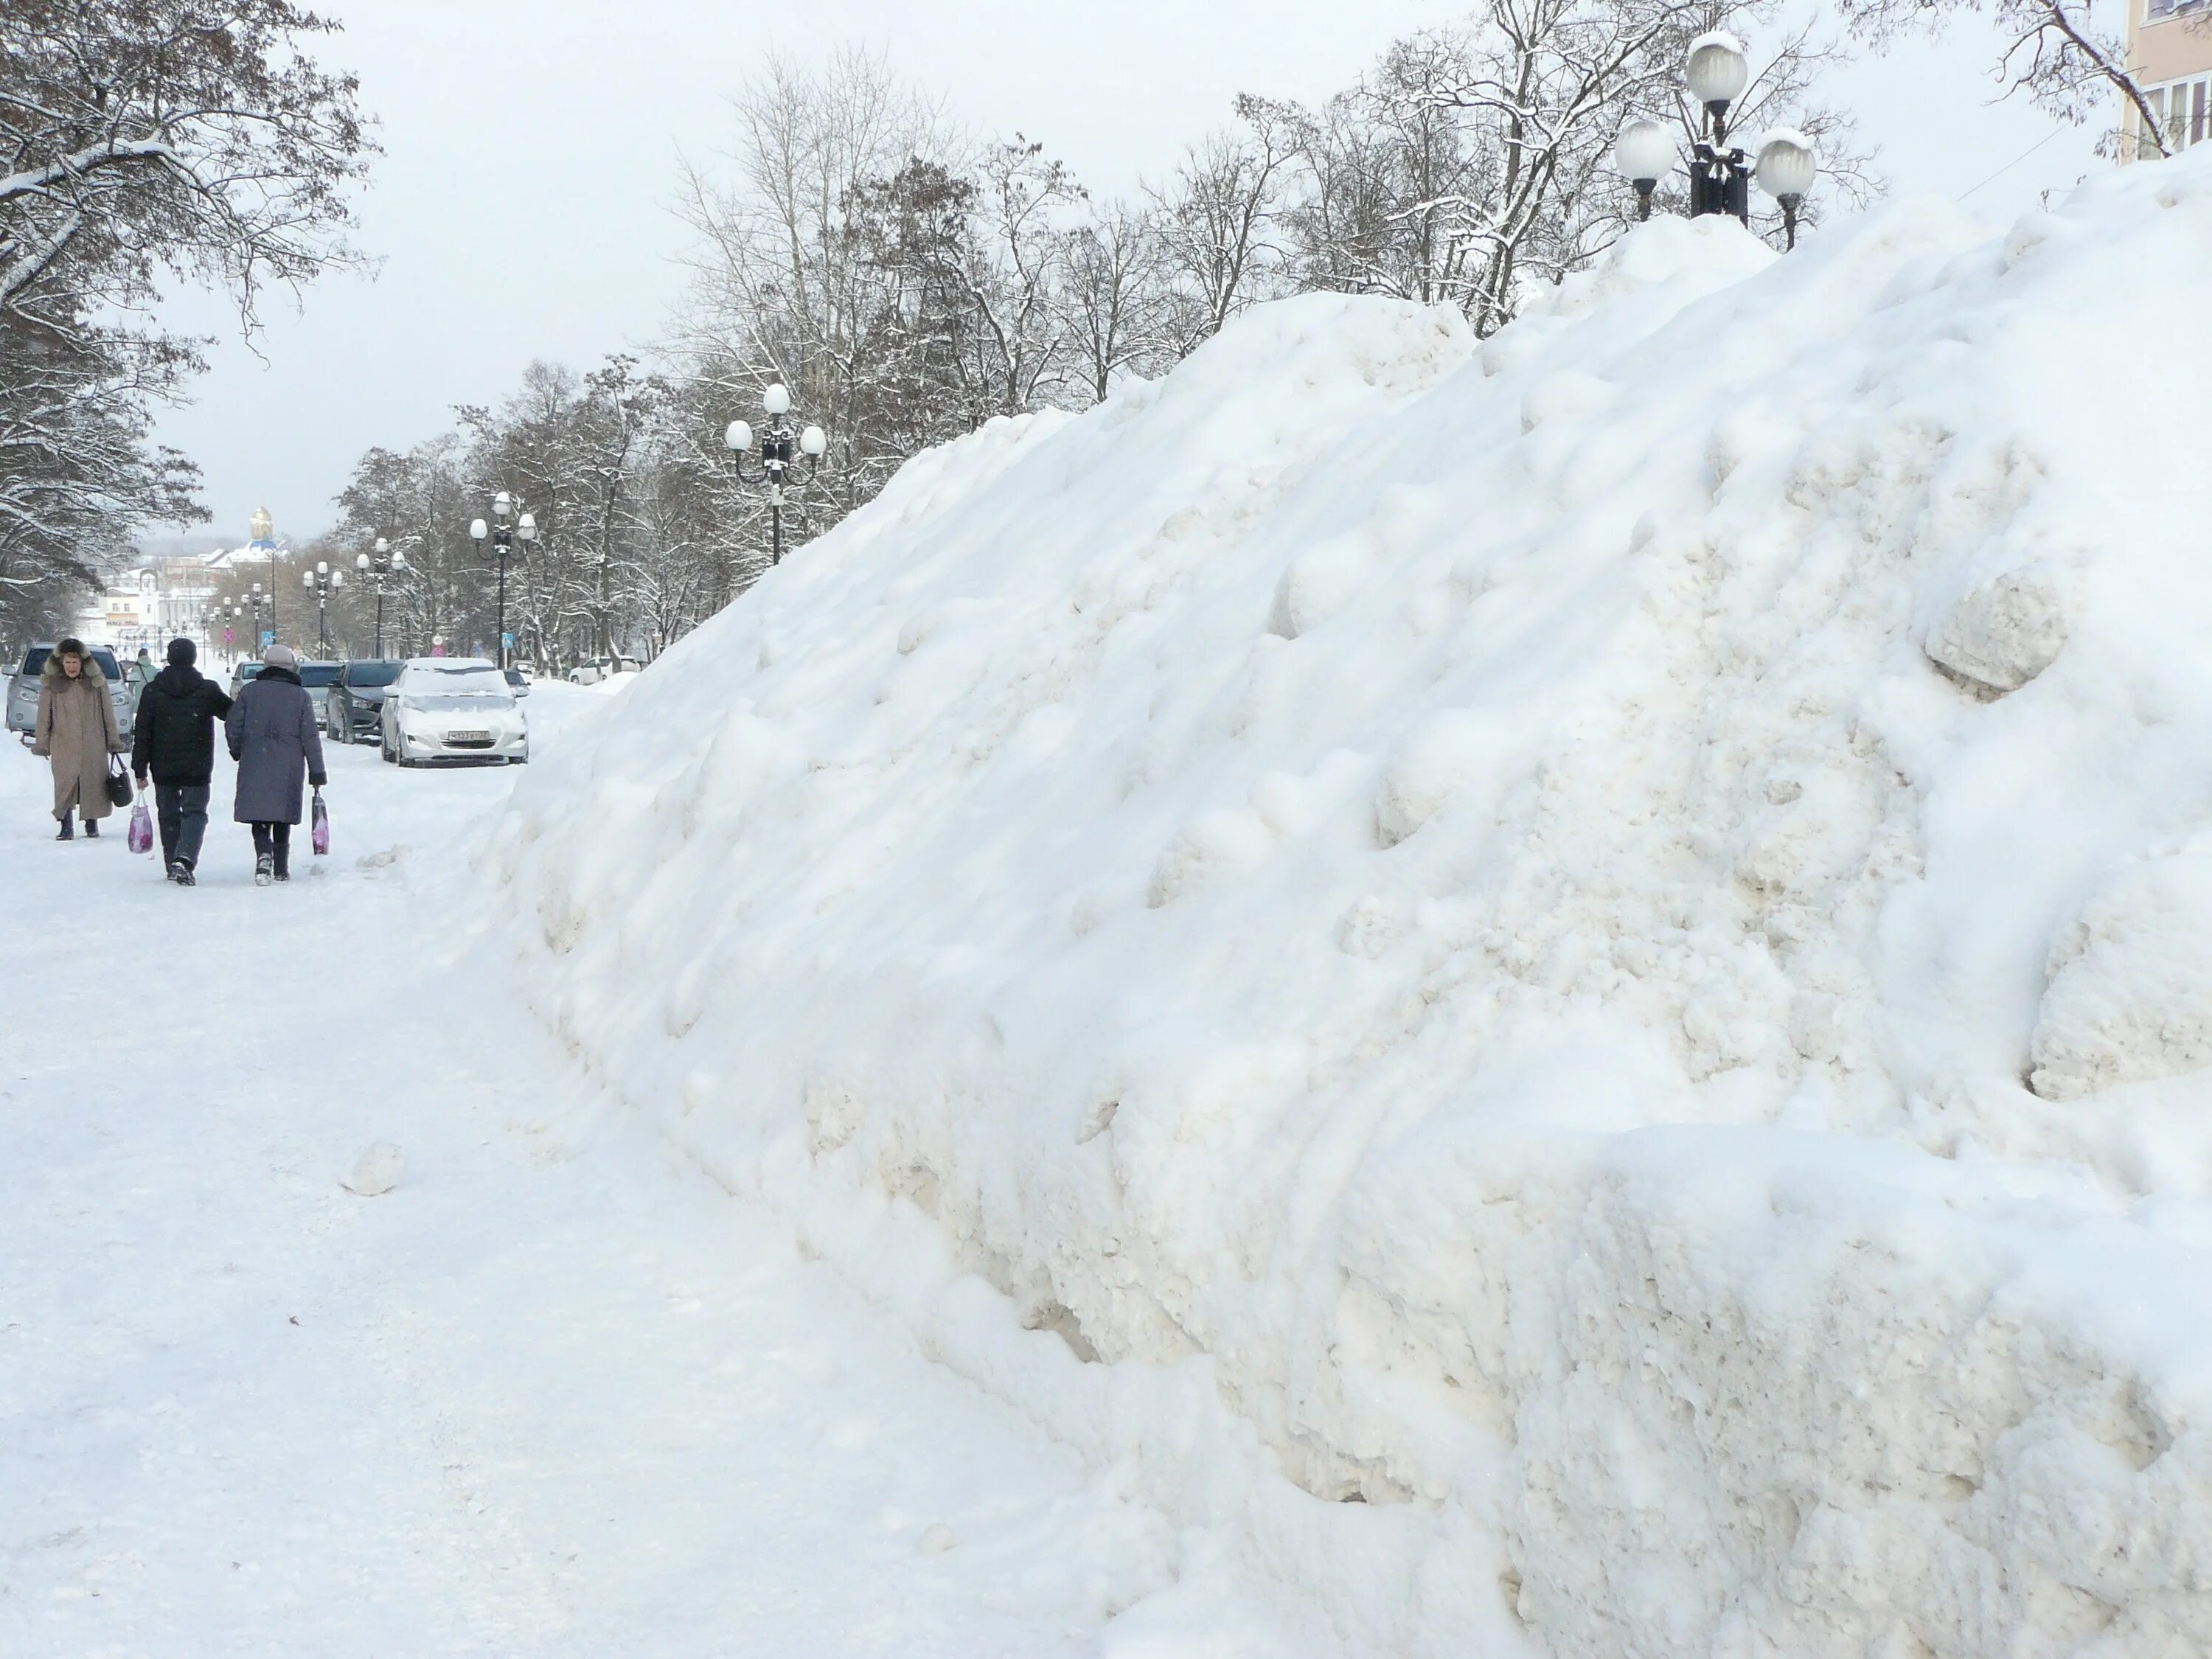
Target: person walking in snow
{"x":142,"y":671}
{"x":272,"y":737}
{"x":75,"y":732}
{"x":174,"y":740}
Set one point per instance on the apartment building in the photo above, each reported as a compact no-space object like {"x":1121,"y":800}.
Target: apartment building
{"x":2170,"y":54}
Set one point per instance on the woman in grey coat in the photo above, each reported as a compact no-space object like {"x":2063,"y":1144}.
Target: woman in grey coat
{"x":272,"y":737}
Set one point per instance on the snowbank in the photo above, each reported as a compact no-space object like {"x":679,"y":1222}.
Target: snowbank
{"x":1566,"y":979}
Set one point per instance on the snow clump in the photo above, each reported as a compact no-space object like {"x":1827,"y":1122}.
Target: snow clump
{"x":377,"y":1170}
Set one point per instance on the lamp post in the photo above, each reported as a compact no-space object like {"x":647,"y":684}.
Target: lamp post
{"x":1716,"y":71}
{"x":776,"y":452}
{"x":1787,"y":166}
{"x":263,"y":529}
{"x":386,"y":561}
{"x":322,"y":581}
{"x":1644,"y":153}
{"x":504,"y":537}
{"x":256,"y":599}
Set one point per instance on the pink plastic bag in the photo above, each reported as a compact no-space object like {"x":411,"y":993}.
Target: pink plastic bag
{"x":320,"y":826}
{"x":142,"y":829}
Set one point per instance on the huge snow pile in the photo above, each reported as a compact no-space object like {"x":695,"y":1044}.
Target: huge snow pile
{"x":1568,"y":979}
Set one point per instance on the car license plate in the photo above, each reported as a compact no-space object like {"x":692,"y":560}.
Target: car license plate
{"x":468,"y":736}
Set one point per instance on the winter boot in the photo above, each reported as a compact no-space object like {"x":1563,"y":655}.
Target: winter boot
{"x":283,"y":861}
{"x":264,"y":870}
{"x":69,"y":827}
{"x":92,"y":828}
{"x":179,"y":874}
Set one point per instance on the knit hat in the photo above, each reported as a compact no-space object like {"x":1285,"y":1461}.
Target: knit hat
{"x":182,"y":652}
{"x":279,"y":656}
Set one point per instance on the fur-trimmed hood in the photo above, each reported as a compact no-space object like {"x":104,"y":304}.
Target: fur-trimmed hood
{"x":54,"y":674}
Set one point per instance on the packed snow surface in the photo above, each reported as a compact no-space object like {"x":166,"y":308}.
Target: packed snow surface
{"x":552,"y":1394}
{"x":1566,"y":978}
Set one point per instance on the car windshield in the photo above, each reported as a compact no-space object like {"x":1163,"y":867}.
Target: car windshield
{"x":319,"y":673}
{"x":475,"y":702}
{"x":372,"y":673}
{"x":35,"y":658}
{"x":456,"y":682}
{"x":247,"y":670}
{"x":470,"y":688}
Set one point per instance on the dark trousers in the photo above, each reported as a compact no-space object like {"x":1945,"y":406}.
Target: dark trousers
{"x":275,"y":841}
{"x":181,"y":809}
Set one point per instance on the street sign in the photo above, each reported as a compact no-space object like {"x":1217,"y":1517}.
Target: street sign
{"x":268,"y":638}
{"x":507,"y":640}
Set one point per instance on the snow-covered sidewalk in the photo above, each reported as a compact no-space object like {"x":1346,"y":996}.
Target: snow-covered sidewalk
{"x":557,"y":1394}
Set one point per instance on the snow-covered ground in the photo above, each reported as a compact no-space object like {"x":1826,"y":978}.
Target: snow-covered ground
{"x":557,"y":1394}
{"x":1564,"y":980}
{"x":1546,"y":998}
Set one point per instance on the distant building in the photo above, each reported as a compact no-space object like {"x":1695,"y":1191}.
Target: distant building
{"x":2170,"y":55}
{"x":151,"y":604}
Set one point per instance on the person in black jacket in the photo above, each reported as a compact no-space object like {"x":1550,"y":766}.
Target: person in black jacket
{"x":175,"y":742}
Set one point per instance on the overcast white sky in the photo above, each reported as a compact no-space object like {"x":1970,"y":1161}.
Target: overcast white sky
{"x":520,"y":210}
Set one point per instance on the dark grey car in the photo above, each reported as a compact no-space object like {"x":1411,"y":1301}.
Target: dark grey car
{"x":354,"y":712}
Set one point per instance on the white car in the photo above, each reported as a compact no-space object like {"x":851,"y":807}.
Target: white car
{"x":453,"y":708}
{"x":601,"y":668}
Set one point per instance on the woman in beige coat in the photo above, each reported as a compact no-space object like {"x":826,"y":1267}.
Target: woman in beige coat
{"x":76,"y":732}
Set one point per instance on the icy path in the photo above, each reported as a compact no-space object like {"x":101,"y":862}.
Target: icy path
{"x":533,"y":1402}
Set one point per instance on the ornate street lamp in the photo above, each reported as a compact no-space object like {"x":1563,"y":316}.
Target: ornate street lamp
{"x":1787,"y":166}
{"x":504,"y":537}
{"x":776,"y":456}
{"x":386,"y":561}
{"x":1644,"y":153}
{"x":263,"y":529}
{"x":322,"y":581}
{"x":1716,"y":70}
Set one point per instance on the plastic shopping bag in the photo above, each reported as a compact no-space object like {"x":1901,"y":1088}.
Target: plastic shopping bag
{"x":320,"y":831}
{"x":142,"y":829}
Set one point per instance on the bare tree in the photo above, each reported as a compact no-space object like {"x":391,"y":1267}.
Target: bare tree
{"x":1219,"y":220}
{"x":1112,"y":297}
{"x":2053,"y":50}
{"x":1473,"y":164}
{"x":139,"y":137}
{"x":780,"y":290}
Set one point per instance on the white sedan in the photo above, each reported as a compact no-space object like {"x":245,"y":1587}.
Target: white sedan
{"x":453,"y":708}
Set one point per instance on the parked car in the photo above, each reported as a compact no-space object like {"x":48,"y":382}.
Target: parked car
{"x":354,"y":712}
{"x":319,"y":677}
{"x":518,"y":680}
{"x":245,"y":668}
{"x":602,"y":668}
{"x":453,"y":708}
{"x":23,"y":691}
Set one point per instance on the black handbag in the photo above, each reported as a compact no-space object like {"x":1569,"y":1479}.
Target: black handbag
{"x":119,"y":783}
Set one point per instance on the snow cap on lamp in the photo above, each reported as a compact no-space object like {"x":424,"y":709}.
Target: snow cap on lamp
{"x":1645,"y":152}
{"x":1787,"y":164}
{"x":1717,"y":68}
